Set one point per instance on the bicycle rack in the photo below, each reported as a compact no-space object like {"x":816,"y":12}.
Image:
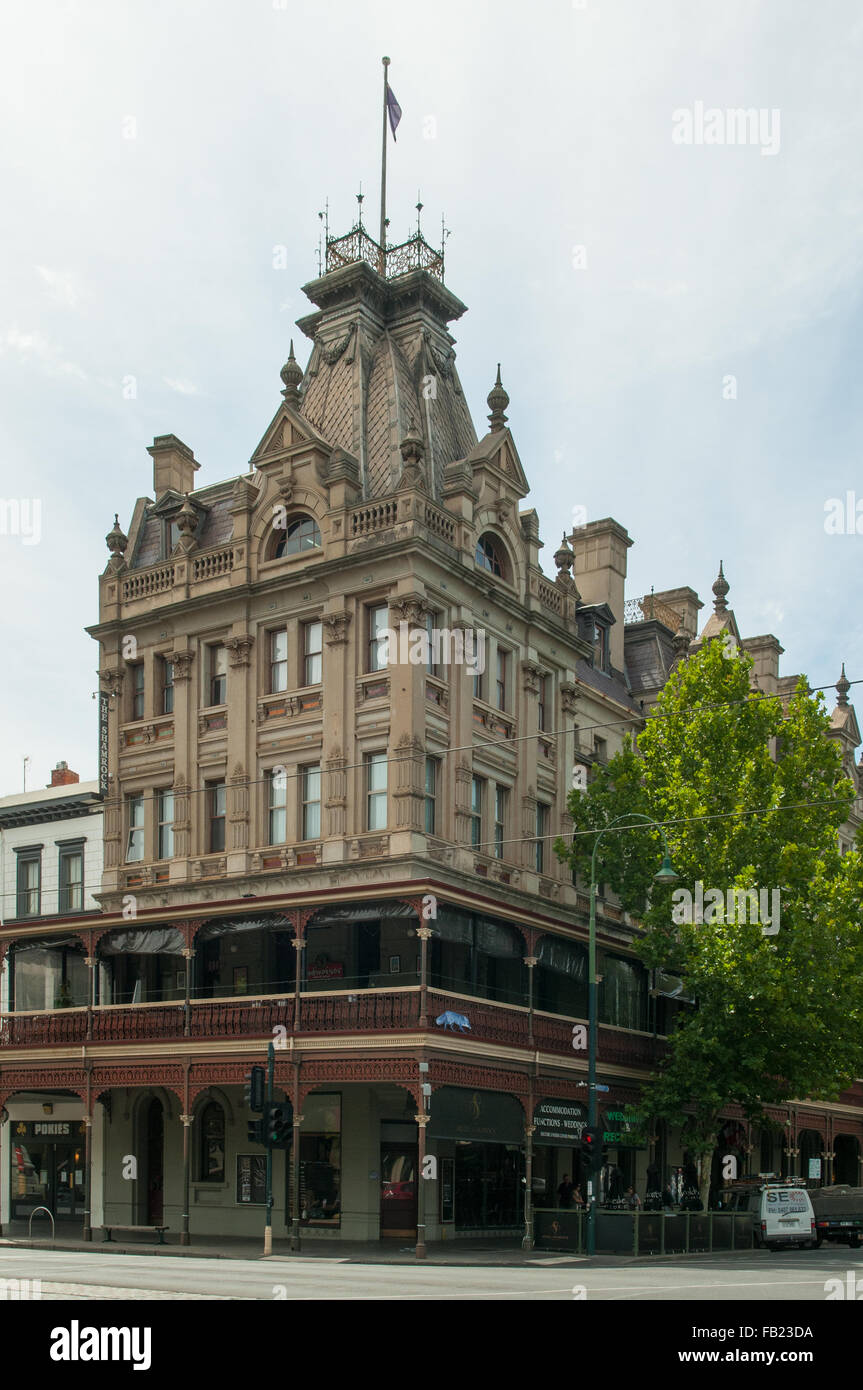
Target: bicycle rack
{"x":30,"y":1223}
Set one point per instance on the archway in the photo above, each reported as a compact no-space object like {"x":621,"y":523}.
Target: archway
{"x":846,"y":1156}
{"x":151,"y":1194}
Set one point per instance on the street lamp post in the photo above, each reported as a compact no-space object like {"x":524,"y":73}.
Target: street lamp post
{"x":666,"y":874}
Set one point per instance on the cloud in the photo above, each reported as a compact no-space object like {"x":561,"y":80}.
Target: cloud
{"x":62,"y":286}
{"x":34,"y":348}
{"x":183,"y":388}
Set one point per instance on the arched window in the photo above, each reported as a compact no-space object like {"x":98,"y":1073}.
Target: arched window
{"x":489,"y":556}
{"x":211,"y":1143}
{"x":303,"y":533}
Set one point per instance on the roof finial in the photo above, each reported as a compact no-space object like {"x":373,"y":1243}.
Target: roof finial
{"x":498,"y":401}
{"x":292,"y":375}
{"x":720,"y":589}
{"x":843,"y":685}
{"x":115,"y":540}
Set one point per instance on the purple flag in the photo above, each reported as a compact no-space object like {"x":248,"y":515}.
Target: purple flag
{"x":395,"y":111}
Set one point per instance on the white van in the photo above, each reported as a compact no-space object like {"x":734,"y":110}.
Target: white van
{"x":781,"y":1211}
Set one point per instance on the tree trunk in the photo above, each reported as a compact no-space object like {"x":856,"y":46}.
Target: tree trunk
{"x":706,"y":1170}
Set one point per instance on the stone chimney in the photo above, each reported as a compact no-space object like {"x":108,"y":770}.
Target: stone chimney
{"x":174,"y":465}
{"x":684,"y":601}
{"x":63,"y":776}
{"x":600,"y":572}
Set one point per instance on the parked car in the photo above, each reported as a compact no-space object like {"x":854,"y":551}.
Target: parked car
{"x":781,"y":1211}
{"x":838,"y":1214}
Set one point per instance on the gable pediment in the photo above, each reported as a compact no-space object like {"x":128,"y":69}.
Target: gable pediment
{"x":497,"y":452}
{"x":286,"y":431}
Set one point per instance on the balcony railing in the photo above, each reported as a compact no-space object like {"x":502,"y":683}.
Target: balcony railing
{"x":360,"y":1011}
{"x":641,"y":610}
{"x":413,"y":254}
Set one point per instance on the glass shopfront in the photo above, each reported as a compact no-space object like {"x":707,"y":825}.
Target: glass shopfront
{"x":46,"y":1168}
{"x":320,"y":1161}
{"x":488,"y":1187}
{"x":488,"y":1165}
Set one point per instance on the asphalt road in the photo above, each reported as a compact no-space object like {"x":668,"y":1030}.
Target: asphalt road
{"x":792,"y":1276}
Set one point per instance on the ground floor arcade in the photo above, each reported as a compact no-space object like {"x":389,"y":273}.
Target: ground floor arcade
{"x":379,"y":1149}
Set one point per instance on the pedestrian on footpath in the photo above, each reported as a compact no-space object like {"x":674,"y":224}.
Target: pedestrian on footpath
{"x":565,"y":1191}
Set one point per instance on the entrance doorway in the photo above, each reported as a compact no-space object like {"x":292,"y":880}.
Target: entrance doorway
{"x":46,"y":1174}
{"x":399,"y":1190}
{"x":154,"y":1150}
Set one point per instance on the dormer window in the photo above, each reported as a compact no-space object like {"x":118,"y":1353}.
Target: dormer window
{"x":489,"y":556}
{"x":170,"y":536}
{"x":600,"y":657}
{"x":303,"y":533}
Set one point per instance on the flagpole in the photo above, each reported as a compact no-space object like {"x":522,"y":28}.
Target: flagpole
{"x":386,"y":63}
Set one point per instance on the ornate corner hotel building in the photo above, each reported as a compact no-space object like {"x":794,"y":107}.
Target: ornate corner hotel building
{"x":343,"y":707}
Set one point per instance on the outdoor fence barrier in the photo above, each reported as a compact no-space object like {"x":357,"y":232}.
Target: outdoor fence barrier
{"x":644,"y":1232}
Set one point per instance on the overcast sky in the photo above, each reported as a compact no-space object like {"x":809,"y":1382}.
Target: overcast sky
{"x":678,"y":323}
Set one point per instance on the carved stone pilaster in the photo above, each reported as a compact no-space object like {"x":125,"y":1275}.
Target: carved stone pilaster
{"x":113,"y":830}
{"x":112,"y":680}
{"x":409,"y":794}
{"x":569,"y":695}
{"x":412,"y":609}
{"x":531,"y":675}
{"x":335,"y":798}
{"x":182,"y":820}
{"x":240,"y":649}
{"x":182,"y":663}
{"x":336,"y":628}
{"x":463,"y":779}
{"x":238,"y":814}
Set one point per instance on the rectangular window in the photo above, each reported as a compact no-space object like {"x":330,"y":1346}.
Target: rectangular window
{"x":479,"y":685}
{"x":277,"y":804}
{"x":137,"y":673}
{"x":310,"y":801}
{"x":431,"y":628}
{"x":477,"y":787}
{"x":312,"y":649}
{"x":431,"y":795}
{"x":541,"y":832}
{"x":30,"y":884}
{"x":543,"y":711}
{"x":165,"y":814}
{"x":376,"y":791}
{"x":501,"y":679}
{"x":216,"y":816}
{"x":601,"y":648}
{"x":135,"y":828}
{"x":71,"y":896}
{"x":217,"y":675}
{"x":167,"y":686}
{"x":278,"y":662}
{"x":500,"y":806}
{"x":600,"y":750}
{"x":377,"y":654}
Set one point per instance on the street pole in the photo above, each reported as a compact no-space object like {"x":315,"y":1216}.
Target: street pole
{"x":666,"y":875}
{"x":268,"y":1229}
{"x":591,"y":1054}
{"x":383,"y":232}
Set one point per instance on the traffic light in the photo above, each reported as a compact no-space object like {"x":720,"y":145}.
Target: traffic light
{"x":591,"y":1146}
{"x":278,"y":1123}
{"x":255,"y":1131}
{"x":254,"y":1092}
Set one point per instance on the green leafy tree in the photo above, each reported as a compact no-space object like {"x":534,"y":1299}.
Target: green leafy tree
{"x":750,"y":796}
